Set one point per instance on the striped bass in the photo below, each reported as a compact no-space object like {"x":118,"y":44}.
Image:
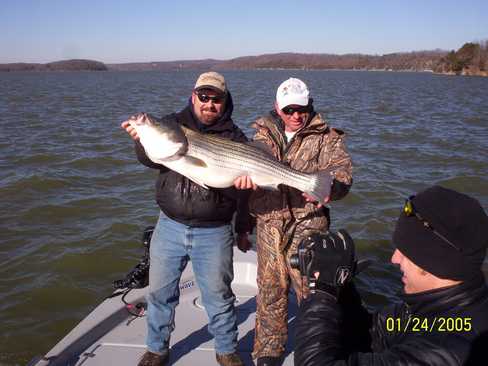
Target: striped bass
{"x":213,"y":161}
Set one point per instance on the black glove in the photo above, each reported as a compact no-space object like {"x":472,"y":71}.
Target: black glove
{"x":334,"y":259}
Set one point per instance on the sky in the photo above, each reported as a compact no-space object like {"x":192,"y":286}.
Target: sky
{"x":119,"y":31}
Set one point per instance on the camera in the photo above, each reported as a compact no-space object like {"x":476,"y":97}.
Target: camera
{"x":302,"y":260}
{"x":331,"y":255}
{"x":138,"y":277}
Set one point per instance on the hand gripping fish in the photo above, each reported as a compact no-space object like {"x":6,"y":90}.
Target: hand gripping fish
{"x":213,"y":161}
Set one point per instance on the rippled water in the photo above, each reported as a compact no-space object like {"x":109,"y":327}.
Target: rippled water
{"x":74,"y":199}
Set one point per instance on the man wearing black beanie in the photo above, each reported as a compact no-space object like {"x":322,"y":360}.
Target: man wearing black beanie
{"x":441,"y":239}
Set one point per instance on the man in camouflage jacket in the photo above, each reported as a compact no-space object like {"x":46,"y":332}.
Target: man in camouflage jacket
{"x":298,"y":136}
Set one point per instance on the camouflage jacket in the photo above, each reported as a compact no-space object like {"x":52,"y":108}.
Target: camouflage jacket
{"x":315,"y":147}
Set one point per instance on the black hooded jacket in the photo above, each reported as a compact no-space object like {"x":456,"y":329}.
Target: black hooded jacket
{"x":185,"y":201}
{"x":442,"y":327}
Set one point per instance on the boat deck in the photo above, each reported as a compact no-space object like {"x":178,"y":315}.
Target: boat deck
{"x":109,"y":335}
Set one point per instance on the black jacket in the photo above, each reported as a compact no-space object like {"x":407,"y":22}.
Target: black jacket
{"x":186,"y":202}
{"x":442,"y":327}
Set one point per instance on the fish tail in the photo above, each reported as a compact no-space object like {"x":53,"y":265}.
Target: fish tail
{"x":321,"y":185}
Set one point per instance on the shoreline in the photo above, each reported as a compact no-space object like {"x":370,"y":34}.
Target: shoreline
{"x":110,"y":69}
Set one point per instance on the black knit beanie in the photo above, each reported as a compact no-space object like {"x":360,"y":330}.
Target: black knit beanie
{"x":455,"y":216}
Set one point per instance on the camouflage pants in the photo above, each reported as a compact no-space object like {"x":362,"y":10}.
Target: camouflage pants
{"x":273,"y":279}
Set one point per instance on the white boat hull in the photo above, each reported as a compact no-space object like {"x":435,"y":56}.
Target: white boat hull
{"x":109,"y":335}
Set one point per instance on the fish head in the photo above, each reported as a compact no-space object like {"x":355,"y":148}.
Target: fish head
{"x":162,"y":139}
{"x":138,"y":120}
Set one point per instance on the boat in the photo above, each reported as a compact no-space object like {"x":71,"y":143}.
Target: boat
{"x":114,"y":332}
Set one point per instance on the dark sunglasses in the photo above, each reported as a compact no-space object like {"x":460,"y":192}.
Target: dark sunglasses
{"x":204,"y":98}
{"x":409,"y":210}
{"x":300,"y":109}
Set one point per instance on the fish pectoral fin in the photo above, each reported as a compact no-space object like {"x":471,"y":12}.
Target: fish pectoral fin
{"x":171,"y":158}
{"x":271,"y":187}
{"x":193,"y":162}
{"x":200,"y":183}
{"x":196,"y":162}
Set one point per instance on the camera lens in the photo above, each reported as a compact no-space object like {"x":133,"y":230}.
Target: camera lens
{"x":294,"y":261}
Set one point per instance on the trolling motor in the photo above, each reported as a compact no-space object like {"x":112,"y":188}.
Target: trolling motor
{"x":138,"y":277}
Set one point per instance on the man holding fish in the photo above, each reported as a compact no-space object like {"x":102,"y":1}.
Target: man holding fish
{"x":299,"y":156}
{"x":300,"y":138}
{"x":194,"y":222}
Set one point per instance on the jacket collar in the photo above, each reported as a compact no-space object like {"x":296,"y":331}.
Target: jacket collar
{"x":275,"y":124}
{"x":460,"y":295}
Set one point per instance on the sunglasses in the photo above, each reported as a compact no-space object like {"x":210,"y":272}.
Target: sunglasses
{"x":204,"y":98}
{"x":300,"y":109}
{"x":409,"y":210}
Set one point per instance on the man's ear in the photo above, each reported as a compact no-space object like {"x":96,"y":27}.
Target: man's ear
{"x":279,"y":111}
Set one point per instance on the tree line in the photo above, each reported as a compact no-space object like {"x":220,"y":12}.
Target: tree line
{"x":470,"y":59}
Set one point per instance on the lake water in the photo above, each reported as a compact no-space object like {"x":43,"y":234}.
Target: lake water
{"x":74,"y":200}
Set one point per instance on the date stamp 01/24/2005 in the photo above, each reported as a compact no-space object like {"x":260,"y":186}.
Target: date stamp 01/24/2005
{"x":428,"y":325}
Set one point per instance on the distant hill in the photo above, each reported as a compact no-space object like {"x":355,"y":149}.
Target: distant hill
{"x":411,"y":61}
{"x":167,"y":65}
{"x":66,"y":65}
{"x":470,"y":59}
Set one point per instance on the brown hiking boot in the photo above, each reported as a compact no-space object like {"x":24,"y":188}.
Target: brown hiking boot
{"x":154,"y":359}
{"x":230,"y":359}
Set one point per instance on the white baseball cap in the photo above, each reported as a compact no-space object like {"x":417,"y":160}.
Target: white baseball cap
{"x":292,"y":92}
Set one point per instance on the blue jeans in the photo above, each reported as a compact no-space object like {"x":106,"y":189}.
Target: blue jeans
{"x":210,"y":251}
